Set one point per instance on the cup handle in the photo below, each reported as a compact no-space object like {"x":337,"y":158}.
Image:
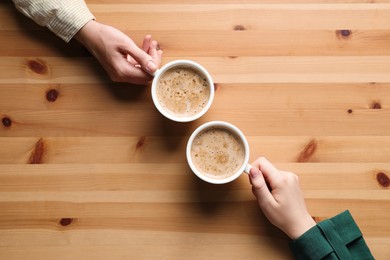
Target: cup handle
{"x":248,"y":167}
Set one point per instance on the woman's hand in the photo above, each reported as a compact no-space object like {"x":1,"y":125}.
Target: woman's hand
{"x":280,"y":197}
{"x":123,"y":60}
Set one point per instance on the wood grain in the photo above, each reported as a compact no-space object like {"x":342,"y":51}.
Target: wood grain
{"x":138,"y":122}
{"x":224,"y":43}
{"x":275,"y":69}
{"x":144,"y":149}
{"x":272,"y":96}
{"x":90,"y":170}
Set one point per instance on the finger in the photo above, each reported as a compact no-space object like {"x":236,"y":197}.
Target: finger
{"x":155,"y":53}
{"x":131,"y":60}
{"x":289,"y":176}
{"x":141,"y":57}
{"x":146,"y":43}
{"x":270,"y":172}
{"x":160,"y":53}
{"x":259,"y":188}
{"x":136,"y":75}
{"x":127,"y":72}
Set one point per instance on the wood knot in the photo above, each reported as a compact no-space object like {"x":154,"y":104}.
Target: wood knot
{"x":7,"y":122}
{"x":38,"y":66}
{"x":376,"y":105}
{"x":308,"y":151}
{"x":52,"y":95}
{"x":350,"y":111}
{"x":383,"y":179}
{"x":239,"y":27}
{"x":36,"y":156}
{"x":232,"y":57}
{"x":66,"y":221}
{"x":343,"y":33}
{"x":140,"y":143}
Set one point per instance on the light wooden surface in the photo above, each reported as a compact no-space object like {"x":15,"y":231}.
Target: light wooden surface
{"x":98,"y":174}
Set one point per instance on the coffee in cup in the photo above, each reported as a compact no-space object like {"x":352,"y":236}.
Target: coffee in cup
{"x":182,"y":90}
{"x":218,"y":152}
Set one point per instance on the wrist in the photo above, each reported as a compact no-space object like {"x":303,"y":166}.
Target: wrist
{"x":301,"y":228}
{"x":87,"y":32}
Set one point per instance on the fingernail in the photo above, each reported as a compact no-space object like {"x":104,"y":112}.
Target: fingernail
{"x":254,"y":172}
{"x":151,"y":66}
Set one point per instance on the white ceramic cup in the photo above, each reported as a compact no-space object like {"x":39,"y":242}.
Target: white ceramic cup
{"x":182,"y":63}
{"x":245,"y":167}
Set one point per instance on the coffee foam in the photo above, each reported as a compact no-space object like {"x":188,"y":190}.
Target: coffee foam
{"x":217,"y":153}
{"x":183,"y":91}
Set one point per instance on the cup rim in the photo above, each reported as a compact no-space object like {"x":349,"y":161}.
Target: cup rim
{"x":229,"y":126}
{"x":184,"y":63}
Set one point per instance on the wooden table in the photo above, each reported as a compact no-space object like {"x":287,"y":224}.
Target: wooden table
{"x":90,"y":170}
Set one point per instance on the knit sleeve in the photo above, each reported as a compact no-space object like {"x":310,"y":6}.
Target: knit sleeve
{"x":335,"y":238}
{"x":63,"y":17}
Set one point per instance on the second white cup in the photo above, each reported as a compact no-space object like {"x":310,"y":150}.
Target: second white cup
{"x":182,"y":90}
{"x":218,"y":152}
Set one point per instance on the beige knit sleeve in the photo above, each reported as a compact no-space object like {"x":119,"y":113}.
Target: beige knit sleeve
{"x":63,"y":17}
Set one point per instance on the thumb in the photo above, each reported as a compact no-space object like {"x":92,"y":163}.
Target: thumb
{"x":259,"y":187}
{"x":142,"y":58}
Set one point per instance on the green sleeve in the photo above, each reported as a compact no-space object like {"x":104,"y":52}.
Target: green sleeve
{"x":335,"y":238}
